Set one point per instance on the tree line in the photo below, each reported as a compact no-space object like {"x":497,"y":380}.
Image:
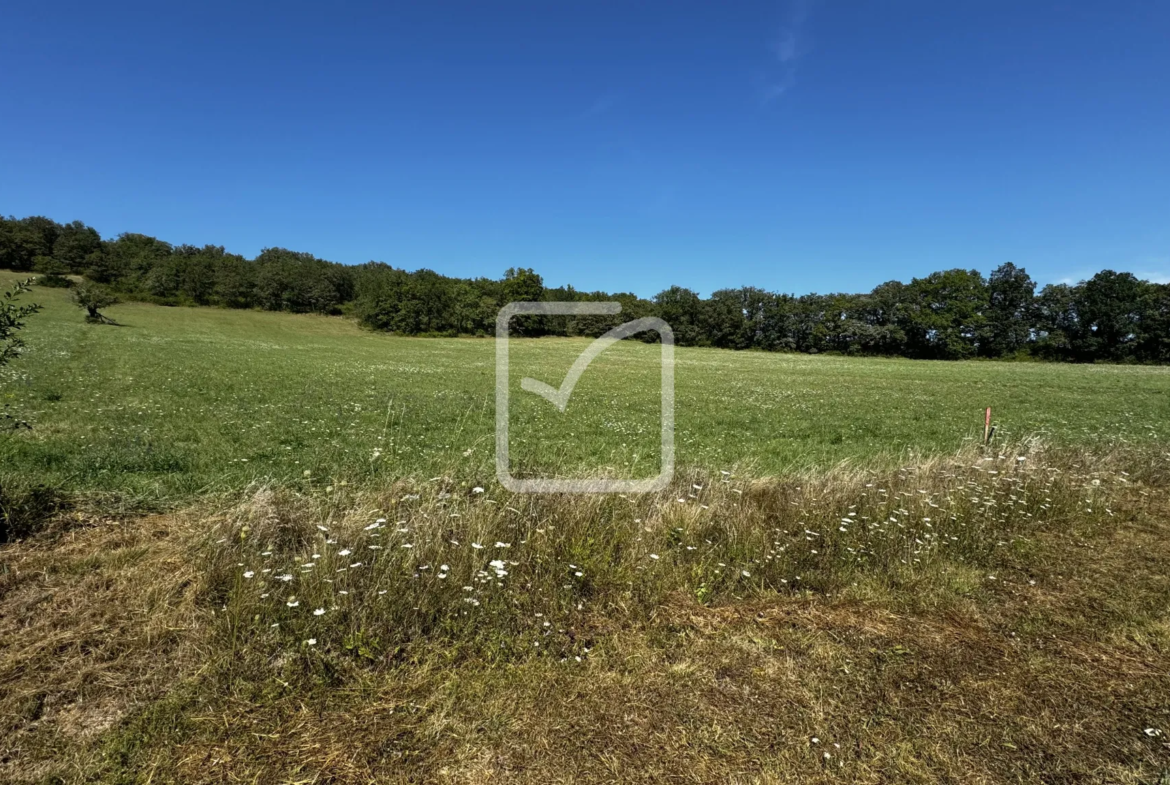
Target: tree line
{"x":951,"y":314}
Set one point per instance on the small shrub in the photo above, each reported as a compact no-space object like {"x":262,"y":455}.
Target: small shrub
{"x":93,"y":297}
{"x":54,"y":282}
{"x":52,"y":271}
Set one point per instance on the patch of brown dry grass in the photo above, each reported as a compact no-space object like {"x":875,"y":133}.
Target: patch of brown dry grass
{"x":1039,"y":657}
{"x":97,"y":619}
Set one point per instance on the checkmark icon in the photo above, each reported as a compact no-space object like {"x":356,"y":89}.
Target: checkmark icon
{"x":559,"y":397}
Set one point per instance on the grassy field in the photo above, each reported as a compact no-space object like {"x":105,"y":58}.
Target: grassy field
{"x":178,"y":402}
{"x":282,"y":556}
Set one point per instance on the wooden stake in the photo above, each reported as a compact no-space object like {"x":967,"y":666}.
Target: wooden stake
{"x":987,"y":425}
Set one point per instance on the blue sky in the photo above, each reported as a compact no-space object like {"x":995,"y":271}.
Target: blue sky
{"x":797,"y":146}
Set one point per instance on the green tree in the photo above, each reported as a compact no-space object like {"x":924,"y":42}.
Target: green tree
{"x":22,"y":241}
{"x":299,"y":282}
{"x":1057,"y":322}
{"x":776,"y":328}
{"x":74,"y":246}
{"x":1109,"y":309}
{"x":1009,"y":314}
{"x":522,"y":285}
{"x":128,"y":261}
{"x":884,"y":312}
{"x":93,"y":297}
{"x":807,"y":323}
{"x":161,"y":280}
{"x":682,"y":309}
{"x":1154,"y":338}
{"x":723,"y":320}
{"x":946,"y":314}
{"x":235,"y":282}
{"x":197,"y":267}
{"x":380,"y":291}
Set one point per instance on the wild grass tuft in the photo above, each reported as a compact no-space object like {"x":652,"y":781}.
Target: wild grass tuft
{"x":504,"y":577}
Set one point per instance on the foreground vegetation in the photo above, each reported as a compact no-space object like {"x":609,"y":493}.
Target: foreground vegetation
{"x":994,"y":616}
{"x":949,"y":314}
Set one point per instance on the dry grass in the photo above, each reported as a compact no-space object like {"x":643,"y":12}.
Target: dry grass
{"x":1033,"y":646}
{"x":96,"y":616}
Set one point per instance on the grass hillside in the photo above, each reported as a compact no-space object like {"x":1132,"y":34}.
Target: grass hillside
{"x":271,"y":548}
{"x":177,"y":402}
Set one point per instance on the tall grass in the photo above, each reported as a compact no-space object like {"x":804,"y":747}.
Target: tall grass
{"x":362,"y":576}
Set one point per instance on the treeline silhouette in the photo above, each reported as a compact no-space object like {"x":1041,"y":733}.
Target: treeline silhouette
{"x":951,"y":314}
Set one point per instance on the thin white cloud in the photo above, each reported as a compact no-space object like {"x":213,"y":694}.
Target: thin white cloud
{"x":1155,"y":276}
{"x":786,"y":45}
{"x":603,"y":104}
{"x":789,"y":45}
{"x":1152,"y":270}
{"x":775,"y":89}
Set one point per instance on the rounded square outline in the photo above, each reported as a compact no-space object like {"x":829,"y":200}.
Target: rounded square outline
{"x":597,"y":485}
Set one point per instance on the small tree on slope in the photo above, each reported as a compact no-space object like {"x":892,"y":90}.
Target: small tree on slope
{"x":93,"y":297}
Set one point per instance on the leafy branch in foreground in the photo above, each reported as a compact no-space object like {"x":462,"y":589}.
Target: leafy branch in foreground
{"x":12,"y":318}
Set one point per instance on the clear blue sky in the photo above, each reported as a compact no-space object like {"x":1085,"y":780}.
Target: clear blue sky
{"x":807,"y":146}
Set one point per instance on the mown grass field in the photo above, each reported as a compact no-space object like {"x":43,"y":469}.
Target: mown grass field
{"x":178,"y":402}
{"x":282,"y":556}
